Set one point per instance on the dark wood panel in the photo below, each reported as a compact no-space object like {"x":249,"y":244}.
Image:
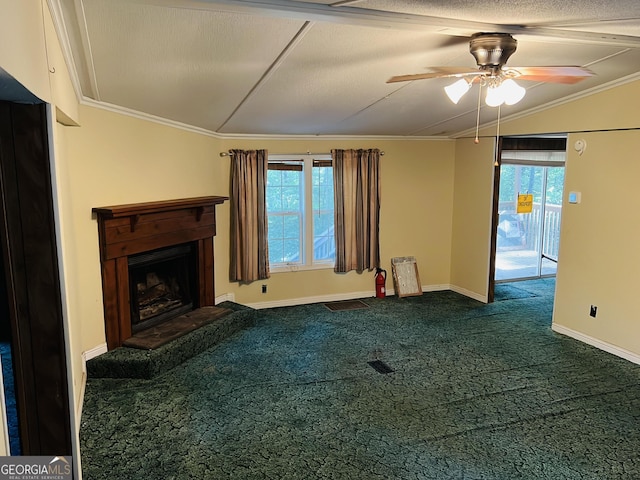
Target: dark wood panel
{"x":159,"y":216}
{"x":206,"y":272}
{"x":110,"y":301}
{"x":124,"y":300}
{"x":122,"y":233}
{"x":163,"y":205}
{"x":558,"y":144}
{"x":32,"y":264}
{"x":145,"y":244}
{"x":17,"y":282}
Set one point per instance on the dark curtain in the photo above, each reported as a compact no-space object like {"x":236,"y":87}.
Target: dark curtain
{"x":249,"y":247}
{"x":357,"y":209}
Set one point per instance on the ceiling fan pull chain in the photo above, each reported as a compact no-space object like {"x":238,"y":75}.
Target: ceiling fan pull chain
{"x":495,"y":163}
{"x":477,"y":140}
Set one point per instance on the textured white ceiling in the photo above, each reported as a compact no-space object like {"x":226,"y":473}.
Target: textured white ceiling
{"x":514,"y":12}
{"x":286,"y":67}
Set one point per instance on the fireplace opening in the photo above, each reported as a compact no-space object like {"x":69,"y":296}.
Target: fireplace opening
{"x":162,"y":284}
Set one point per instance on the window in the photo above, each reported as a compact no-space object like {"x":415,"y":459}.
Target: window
{"x":300,"y":212}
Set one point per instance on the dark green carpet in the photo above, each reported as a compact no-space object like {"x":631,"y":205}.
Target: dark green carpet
{"x":478,"y":392}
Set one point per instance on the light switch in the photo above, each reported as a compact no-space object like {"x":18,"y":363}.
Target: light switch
{"x":574,"y":197}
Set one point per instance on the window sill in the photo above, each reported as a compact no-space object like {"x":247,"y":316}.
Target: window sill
{"x":300,"y":268}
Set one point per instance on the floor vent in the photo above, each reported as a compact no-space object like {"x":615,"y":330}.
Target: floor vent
{"x":346,"y":305}
{"x":380,"y":367}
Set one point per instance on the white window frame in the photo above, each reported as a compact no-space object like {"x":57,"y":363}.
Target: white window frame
{"x":307,"y":217}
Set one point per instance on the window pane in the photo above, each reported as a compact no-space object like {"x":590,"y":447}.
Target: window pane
{"x":291,"y":198}
{"x":323,"y":215}
{"x":291,"y":177}
{"x":274,"y":198}
{"x":274,"y":177}
{"x":291,"y":250}
{"x":276,"y":227}
{"x":291,"y":228}
{"x":284,"y":202}
{"x":324,"y":246}
{"x":322,"y":223}
{"x":289,"y":214}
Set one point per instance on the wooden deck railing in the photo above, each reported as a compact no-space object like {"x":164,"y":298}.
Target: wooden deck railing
{"x":530,"y":226}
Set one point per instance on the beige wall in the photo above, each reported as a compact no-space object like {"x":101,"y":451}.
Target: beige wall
{"x":607,"y":110}
{"x":32,"y":55}
{"x":599,"y":257}
{"x":63,"y":96}
{"x":472,"y":209}
{"x":22,"y":38}
{"x":415,"y":218}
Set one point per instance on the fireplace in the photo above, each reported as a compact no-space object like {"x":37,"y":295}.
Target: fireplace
{"x":161,"y":284}
{"x":157,"y":262}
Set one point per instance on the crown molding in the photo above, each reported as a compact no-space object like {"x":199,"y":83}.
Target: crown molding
{"x":147,"y":117}
{"x":235,"y":136}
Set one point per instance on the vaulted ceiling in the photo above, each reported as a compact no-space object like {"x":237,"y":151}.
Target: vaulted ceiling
{"x":284,"y":67}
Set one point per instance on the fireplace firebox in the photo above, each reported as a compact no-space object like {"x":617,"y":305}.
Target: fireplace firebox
{"x":157,"y":262}
{"x":161,"y":284}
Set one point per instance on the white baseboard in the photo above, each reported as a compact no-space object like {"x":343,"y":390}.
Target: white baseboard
{"x":83,"y":386}
{"x":599,"y":344}
{"x":227,"y":297}
{"x":436,"y":287}
{"x":470,"y":294}
{"x":336,"y":297}
{"x":94,"y":352}
{"x":86,"y":356}
{"x":315,"y":299}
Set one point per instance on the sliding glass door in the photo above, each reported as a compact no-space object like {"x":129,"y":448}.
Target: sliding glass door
{"x":529,"y":212}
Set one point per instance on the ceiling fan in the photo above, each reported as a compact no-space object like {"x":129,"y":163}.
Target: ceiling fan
{"x":491,"y":51}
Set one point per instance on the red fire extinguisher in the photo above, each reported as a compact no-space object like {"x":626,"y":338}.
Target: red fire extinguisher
{"x":381,"y":279}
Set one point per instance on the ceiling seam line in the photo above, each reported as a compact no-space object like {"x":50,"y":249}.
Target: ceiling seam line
{"x":602,"y":59}
{"x":297,"y":38}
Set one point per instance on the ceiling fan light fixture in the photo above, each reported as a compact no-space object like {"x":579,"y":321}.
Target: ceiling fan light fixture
{"x":507,"y":91}
{"x":495,"y":96}
{"x":512,"y":92}
{"x":456,"y":90}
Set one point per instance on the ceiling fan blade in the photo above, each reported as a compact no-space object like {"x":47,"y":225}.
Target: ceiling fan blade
{"x":560,"y":74}
{"x":436,"y":72}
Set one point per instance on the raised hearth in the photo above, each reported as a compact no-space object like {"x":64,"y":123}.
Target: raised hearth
{"x":128,"y":230}
{"x":126,"y":362}
{"x":163,"y":333}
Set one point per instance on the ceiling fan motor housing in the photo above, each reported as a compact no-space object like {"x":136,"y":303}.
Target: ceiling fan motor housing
{"x":492,"y":50}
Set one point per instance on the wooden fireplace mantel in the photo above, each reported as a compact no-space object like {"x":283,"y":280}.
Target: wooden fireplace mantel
{"x":126,"y":230}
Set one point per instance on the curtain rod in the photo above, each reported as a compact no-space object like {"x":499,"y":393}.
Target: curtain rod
{"x":227,"y":154}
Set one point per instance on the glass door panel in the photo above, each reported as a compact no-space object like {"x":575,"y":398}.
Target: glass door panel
{"x":552,"y":215}
{"x":527,"y":243}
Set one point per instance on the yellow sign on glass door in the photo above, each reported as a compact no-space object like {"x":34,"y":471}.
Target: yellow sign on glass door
{"x":525,"y":203}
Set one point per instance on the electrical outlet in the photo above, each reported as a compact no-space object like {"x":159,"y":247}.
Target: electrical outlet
{"x":264,"y":289}
{"x":593,"y":311}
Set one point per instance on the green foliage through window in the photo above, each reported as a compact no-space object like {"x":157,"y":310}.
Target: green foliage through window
{"x":300,"y":219}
